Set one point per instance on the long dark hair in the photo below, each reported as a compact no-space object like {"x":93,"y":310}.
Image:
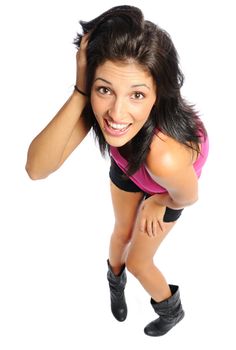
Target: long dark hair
{"x":121,"y":33}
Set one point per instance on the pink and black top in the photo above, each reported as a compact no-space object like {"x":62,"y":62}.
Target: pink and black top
{"x":142,"y":177}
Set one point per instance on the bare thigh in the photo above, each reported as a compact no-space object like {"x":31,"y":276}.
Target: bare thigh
{"x":125,"y":206}
{"x":143,"y":248}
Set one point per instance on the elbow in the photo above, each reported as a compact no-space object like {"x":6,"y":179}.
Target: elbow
{"x":33,"y":175}
{"x":36,"y":172}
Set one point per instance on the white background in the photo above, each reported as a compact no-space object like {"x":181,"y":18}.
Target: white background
{"x":54,"y":233}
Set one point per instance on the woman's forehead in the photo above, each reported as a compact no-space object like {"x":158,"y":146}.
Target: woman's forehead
{"x":123,"y":70}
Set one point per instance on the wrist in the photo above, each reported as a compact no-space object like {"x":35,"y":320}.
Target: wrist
{"x":79,"y":91}
{"x":78,"y":99}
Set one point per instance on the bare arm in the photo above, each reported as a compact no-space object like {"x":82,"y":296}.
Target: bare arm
{"x":60,"y":137}
{"x":170,"y":165}
{"x":63,"y":134}
{"x":182,"y":189}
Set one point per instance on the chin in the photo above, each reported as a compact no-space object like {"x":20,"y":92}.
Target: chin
{"x":116,"y":143}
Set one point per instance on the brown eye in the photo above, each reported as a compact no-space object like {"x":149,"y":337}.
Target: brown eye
{"x":103,"y":90}
{"x":138,"y":95}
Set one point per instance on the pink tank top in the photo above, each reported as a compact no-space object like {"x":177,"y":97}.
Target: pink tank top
{"x":142,"y":178}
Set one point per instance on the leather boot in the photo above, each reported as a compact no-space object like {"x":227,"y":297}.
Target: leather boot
{"x":170,"y":312}
{"x":117,"y":286}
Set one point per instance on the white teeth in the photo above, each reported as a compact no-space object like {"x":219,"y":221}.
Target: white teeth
{"x":117,"y":126}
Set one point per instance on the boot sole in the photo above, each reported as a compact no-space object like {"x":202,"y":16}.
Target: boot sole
{"x":163,"y":333}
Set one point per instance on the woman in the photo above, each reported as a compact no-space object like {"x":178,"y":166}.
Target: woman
{"x":128,"y":91}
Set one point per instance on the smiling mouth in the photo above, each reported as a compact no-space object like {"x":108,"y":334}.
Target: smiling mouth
{"x":117,"y":127}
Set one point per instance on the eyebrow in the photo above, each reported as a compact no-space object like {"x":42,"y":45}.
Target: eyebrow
{"x":108,"y":82}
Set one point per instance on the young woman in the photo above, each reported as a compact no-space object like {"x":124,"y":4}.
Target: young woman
{"x":128,"y":91}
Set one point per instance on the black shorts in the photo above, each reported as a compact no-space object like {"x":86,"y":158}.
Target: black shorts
{"x":126,"y":184}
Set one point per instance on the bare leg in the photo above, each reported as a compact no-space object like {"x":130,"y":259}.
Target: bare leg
{"x":125,"y":205}
{"x":140,"y":262}
{"x":136,"y":249}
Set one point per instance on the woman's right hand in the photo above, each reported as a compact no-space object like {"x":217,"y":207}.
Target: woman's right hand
{"x":81,"y":64}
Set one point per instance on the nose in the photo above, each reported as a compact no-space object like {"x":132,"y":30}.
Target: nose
{"x":118,"y":110}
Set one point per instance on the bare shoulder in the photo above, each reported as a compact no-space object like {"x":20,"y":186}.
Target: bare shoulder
{"x":168,"y":156}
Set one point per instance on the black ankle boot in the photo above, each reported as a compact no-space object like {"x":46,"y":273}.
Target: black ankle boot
{"x":117,"y":286}
{"x":170,"y":312}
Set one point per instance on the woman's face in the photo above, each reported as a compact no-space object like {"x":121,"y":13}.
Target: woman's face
{"x":122,"y":97}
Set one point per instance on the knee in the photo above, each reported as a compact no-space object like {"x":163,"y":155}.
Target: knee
{"x":122,"y":234}
{"x":137,"y":268}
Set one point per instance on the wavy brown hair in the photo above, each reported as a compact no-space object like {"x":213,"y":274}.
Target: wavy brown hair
{"x":122,"y":33}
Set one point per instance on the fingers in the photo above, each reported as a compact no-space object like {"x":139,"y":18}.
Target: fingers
{"x":151,"y":227}
{"x":83,"y":46}
{"x":151,"y":218}
{"x":81,"y":62}
{"x":161,"y":225}
{"x":154,"y":228}
{"x":142,"y":225}
{"x":84,"y":41}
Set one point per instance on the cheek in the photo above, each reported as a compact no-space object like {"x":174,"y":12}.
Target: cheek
{"x":142,"y":114}
{"x":95,"y":107}
{"x":98,"y":106}
{"x":93,"y":104}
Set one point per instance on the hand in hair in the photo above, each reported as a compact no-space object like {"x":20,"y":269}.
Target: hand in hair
{"x":81,"y":64}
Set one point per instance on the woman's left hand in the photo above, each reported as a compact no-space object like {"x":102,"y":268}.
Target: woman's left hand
{"x":151,"y":217}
